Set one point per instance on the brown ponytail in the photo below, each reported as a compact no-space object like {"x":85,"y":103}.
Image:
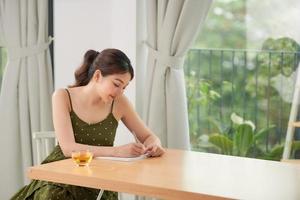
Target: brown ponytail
{"x":108,"y":61}
{"x":81,"y":74}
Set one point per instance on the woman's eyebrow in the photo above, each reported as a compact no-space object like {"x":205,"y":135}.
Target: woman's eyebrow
{"x":119,"y":80}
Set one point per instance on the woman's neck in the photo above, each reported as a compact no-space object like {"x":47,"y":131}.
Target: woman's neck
{"x":90,"y":97}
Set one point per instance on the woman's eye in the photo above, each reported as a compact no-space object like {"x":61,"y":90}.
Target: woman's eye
{"x":116,"y":85}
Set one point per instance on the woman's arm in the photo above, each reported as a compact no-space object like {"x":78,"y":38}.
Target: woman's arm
{"x":134,"y":123}
{"x":65,"y":136}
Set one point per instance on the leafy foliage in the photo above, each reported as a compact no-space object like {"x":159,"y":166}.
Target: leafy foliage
{"x":225,"y":26}
{"x":246,"y":142}
{"x":220,"y":82}
{"x":229,"y":79}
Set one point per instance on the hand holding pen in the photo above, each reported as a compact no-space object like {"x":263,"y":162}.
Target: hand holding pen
{"x":151,"y":147}
{"x":139,"y":143}
{"x":130,"y":150}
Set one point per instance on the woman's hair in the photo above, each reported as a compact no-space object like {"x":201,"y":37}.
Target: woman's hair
{"x":108,"y":61}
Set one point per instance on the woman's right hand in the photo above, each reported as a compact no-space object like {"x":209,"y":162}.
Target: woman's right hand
{"x":130,"y":150}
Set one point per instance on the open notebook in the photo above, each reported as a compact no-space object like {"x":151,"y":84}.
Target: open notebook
{"x":141,"y":157}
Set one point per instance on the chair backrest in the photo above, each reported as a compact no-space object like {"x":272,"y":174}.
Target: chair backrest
{"x":44,"y":142}
{"x":293,"y":118}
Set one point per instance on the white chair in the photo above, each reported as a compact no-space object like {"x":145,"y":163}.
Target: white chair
{"x":292,"y":124}
{"x":45,"y":142}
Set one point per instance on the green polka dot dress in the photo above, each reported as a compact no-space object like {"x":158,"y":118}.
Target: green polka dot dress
{"x":97,"y":134}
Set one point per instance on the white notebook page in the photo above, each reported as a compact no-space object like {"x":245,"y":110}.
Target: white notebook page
{"x":141,"y":157}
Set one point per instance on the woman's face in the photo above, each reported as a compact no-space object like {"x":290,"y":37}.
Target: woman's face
{"x":111,"y":86}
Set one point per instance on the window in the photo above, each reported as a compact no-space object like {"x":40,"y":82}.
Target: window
{"x":239,"y":68}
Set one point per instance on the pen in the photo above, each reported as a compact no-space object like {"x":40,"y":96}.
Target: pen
{"x":138,"y":141}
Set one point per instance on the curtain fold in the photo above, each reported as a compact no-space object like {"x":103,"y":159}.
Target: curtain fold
{"x":25,"y":100}
{"x":172,"y":28}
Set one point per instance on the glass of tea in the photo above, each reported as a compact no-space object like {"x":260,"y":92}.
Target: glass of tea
{"x":82,"y":157}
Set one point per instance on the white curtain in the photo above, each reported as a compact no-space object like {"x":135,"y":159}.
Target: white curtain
{"x":25,"y":101}
{"x":172,"y":27}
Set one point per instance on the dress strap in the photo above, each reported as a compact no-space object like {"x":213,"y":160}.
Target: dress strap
{"x":69,"y":99}
{"x":112,"y":106}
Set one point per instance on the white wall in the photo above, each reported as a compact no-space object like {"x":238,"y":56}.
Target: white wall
{"x":80,"y":25}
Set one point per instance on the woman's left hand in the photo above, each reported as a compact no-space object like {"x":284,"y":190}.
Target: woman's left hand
{"x":154,"y":150}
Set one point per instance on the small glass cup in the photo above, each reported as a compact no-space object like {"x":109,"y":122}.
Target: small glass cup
{"x":82,"y":157}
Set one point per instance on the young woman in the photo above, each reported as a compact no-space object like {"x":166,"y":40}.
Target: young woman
{"x":86,"y":116}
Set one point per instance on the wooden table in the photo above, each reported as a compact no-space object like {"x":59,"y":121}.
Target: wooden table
{"x":296,"y":124}
{"x":294,"y":161}
{"x":181,"y":175}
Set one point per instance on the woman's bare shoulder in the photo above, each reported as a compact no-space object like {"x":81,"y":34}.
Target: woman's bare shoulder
{"x":123,"y":105}
{"x":60,"y":98}
{"x":122,"y":101}
{"x":59,"y":93}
